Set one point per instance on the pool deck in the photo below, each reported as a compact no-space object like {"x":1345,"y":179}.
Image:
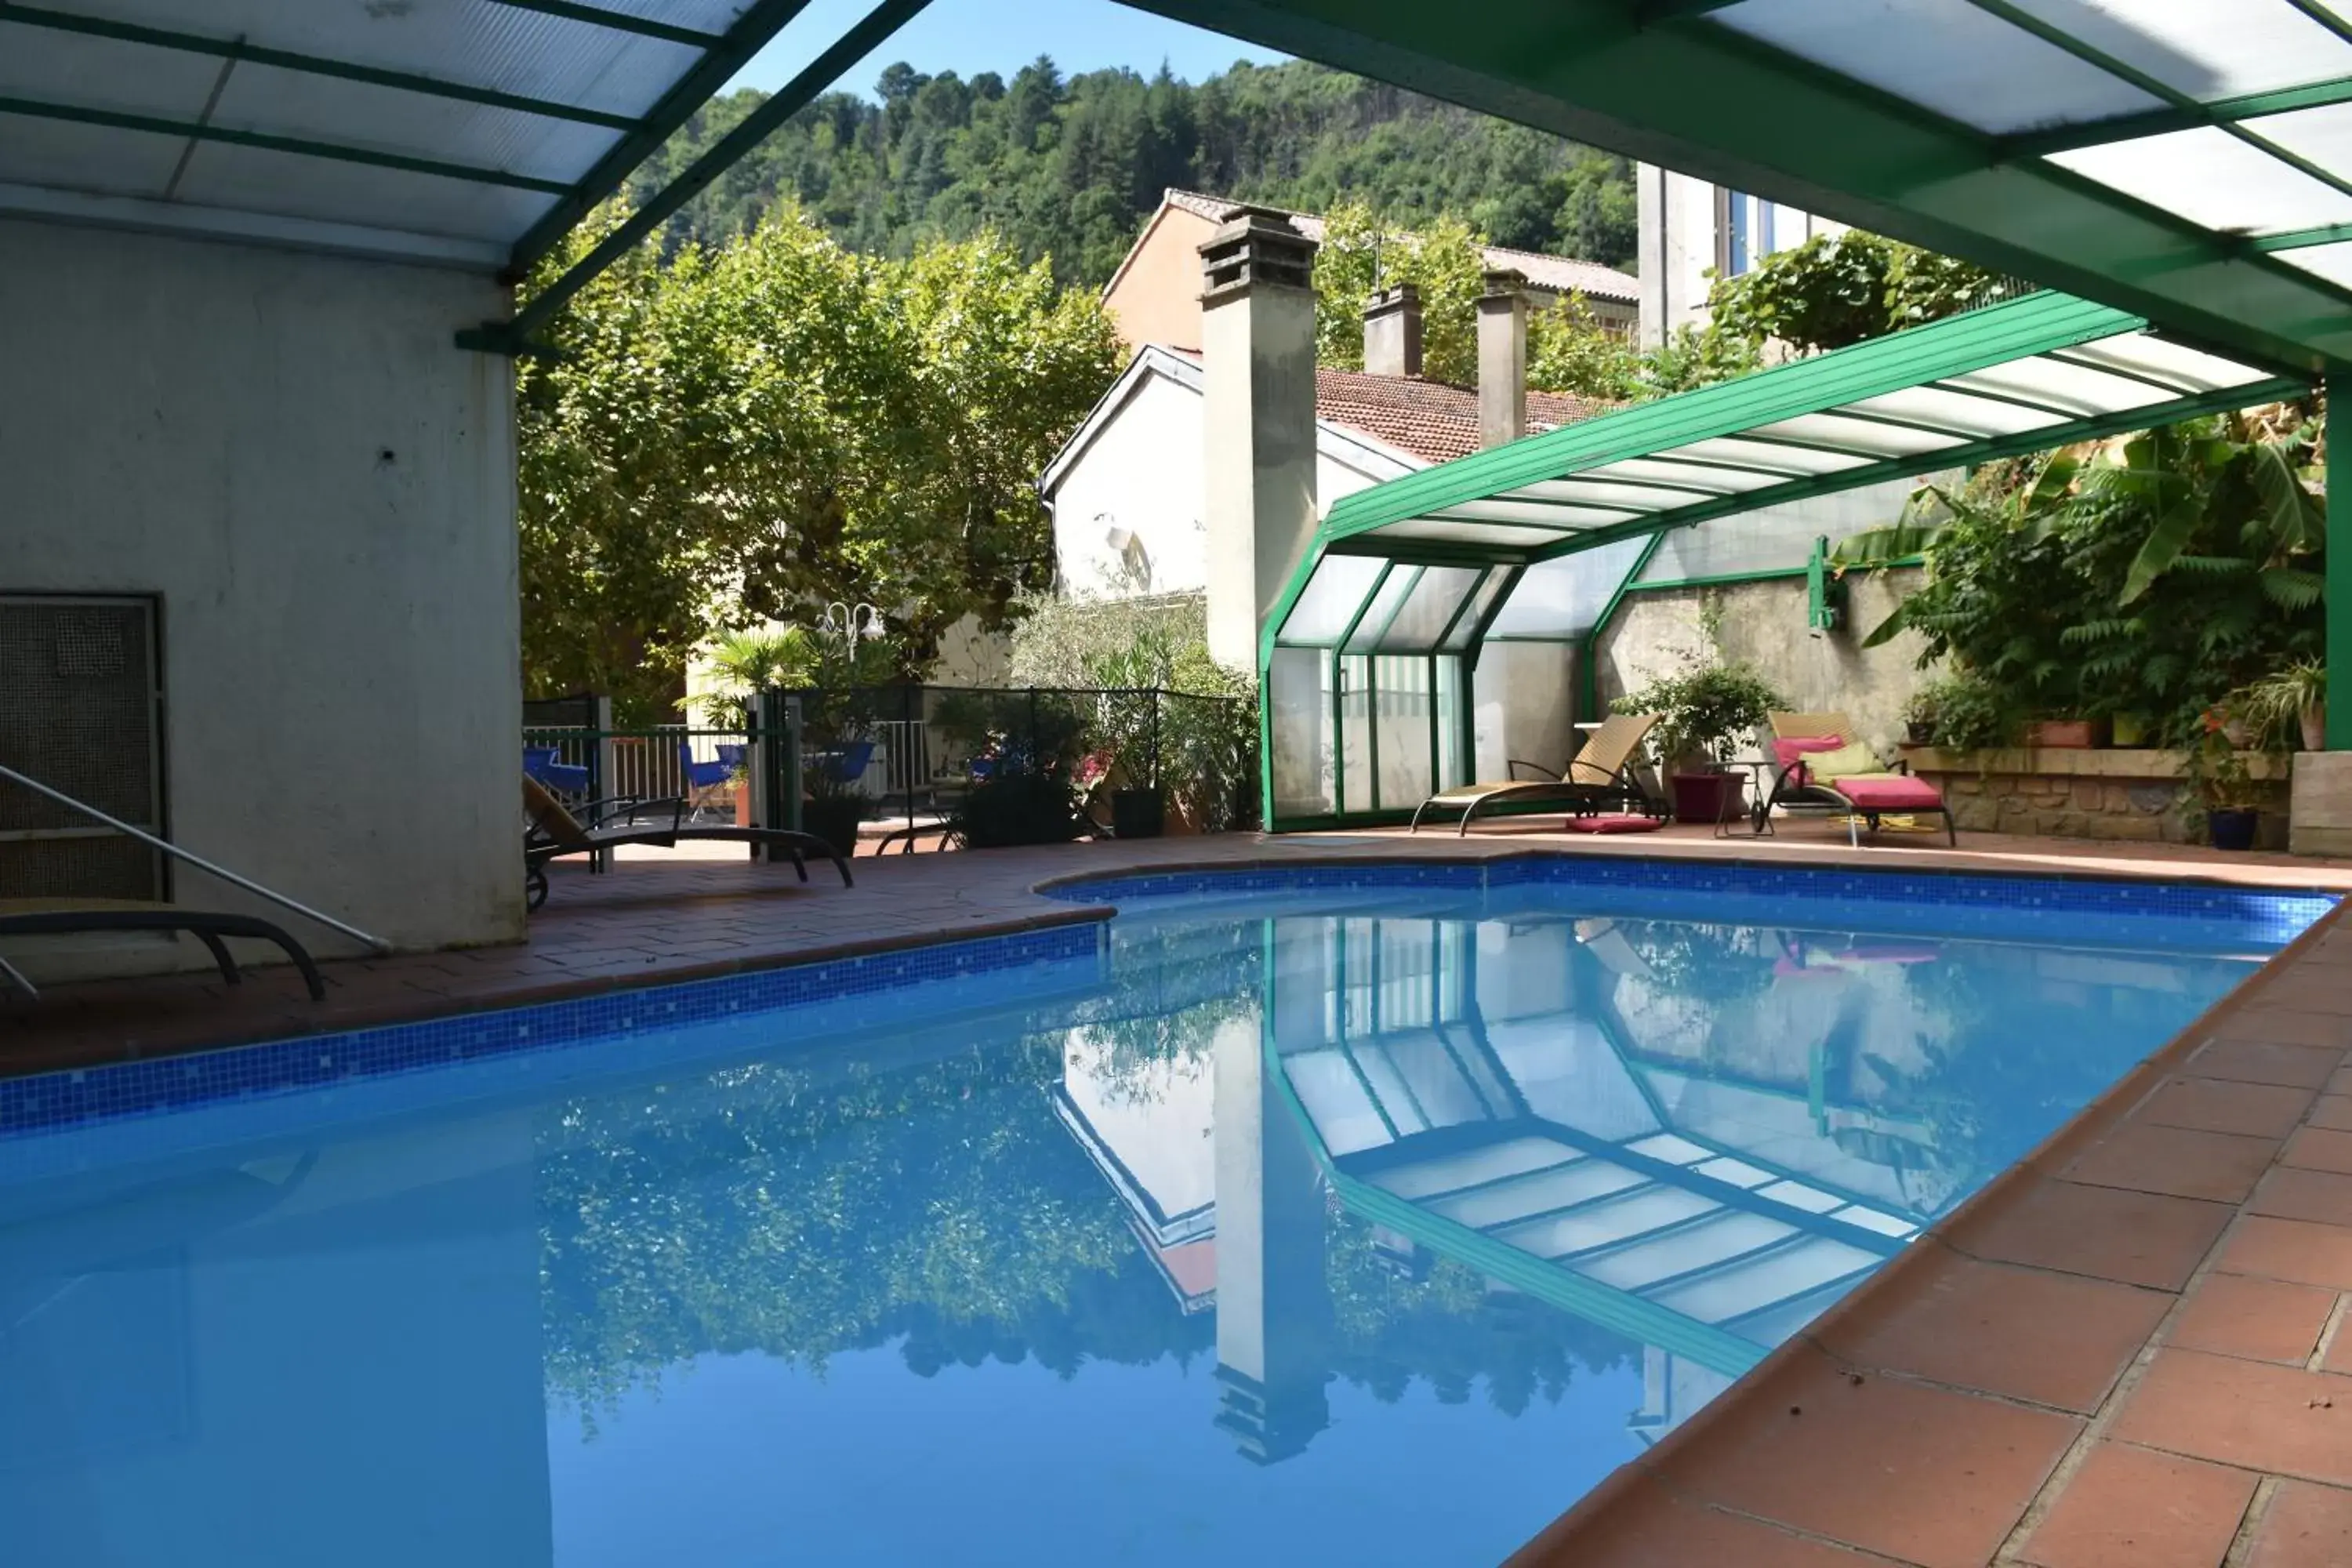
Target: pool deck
{"x":2129,"y":1350}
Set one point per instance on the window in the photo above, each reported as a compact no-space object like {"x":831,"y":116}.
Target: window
{"x":79,"y":711}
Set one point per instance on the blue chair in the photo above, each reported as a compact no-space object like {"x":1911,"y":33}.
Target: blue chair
{"x":705,"y":780}
{"x":845,"y":766}
{"x":546,"y":765}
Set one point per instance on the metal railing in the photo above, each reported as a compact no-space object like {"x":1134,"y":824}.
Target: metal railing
{"x":581,"y":762}
{"x":248,"y":884}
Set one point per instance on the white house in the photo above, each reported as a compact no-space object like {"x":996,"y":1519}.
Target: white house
{"x":1693,"y":232}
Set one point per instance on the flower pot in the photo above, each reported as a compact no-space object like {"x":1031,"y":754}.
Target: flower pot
{"x":1138,"y":813}
{"x":2315,"y":727}
{"x":2232,"y":828}
{"x":2130,"y":729}
{"x":834,"y":819}
{"x":2060,"y":735}
{"x":1919,"y":732}
{"x":741,"y":790}
{"x":1708,"y":796}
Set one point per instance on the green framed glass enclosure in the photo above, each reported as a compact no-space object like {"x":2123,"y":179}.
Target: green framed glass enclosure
{"x":1440,"y":625}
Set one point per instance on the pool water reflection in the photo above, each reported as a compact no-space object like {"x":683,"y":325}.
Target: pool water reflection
{"x":1377,"y":1226}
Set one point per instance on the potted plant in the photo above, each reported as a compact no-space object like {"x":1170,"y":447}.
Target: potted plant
{"x":2225,"y":787}
{"x":2062,"y":734}
{"x":1702,"y":717}
{"x":2288,"y":706}
{"x":1920,"y":714}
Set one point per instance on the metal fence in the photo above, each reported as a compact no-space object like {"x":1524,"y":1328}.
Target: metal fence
{"x":911,"y":756}
{"x":650,"y":767}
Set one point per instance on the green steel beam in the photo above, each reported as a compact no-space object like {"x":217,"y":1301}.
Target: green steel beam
{"x":1686,"y":96}
{"x":308,"y":65}
{"x":621,"y":22}
{"x":302,"y":146}
{"x":2339,"y":570}
{"x":2302,"y":238}
{"x":1981,"y":340}
{"x":759,"y":24}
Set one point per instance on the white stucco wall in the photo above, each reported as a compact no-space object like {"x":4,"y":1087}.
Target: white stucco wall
{"x":290,"y":453}
{"x":1677,"y":244}
{"x":1142,"y":468}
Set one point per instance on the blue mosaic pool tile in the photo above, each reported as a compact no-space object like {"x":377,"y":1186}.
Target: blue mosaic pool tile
{"x":48,"y":1101}
{"x":2272,"y":918}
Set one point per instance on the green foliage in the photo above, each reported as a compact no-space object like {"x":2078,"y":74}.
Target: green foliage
{"x":1067,"y":168}
{"x":1707,"y":711}
{"x":1017,"y":803}
{"x":1842,"y":288}
{"x":2152,"y":576}
{"x":2274,"y":707}
{"x":746,"y":662}
{"x":1963,"y":710}
{"x":1361,"y":256}
{"x":745,"y":434}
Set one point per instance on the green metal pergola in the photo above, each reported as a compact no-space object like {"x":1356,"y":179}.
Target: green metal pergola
{"x":1374,"y":659}
{"x":2188,"y":162}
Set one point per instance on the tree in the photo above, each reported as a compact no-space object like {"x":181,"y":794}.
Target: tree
{"x":744,"y":434}
{"x":1361,"y":256}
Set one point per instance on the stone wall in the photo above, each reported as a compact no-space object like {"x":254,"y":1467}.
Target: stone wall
{"x":1658,"y":632}
{"x":2139,"y":795}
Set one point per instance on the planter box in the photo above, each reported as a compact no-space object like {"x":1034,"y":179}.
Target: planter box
{"x":1708,"y":797}
{"x":2068,"y":792}
{"x":2062,"y":734}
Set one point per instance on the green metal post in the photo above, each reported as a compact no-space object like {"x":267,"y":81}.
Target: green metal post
{"x":2338,"y":599}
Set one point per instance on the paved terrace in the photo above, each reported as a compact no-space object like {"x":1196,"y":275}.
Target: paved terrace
{"x":2130,"y":1350}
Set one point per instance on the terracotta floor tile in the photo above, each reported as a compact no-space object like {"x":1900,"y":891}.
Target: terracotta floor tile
{"x":1649,"y":1528}
{"x":2342,"y":1082}
{"x":2333,"y":1110}
{"x":2244,"y":1413}
{"x":2320,"y":1149}
{"x":2249,"y":1056}
{"x":2268,"y":1021}
{"x":2263,"y":1320}
{"x":2055,"y":1338}
{"x":1924,"y":1475}
{"x":2128,"y":1507}
{"x":2217,"y":1105}
{"x":2221,"y":1167}
{"x":2140,"y":1238}
{"x":2289,"y":1193}
{"x":2305,"y":1527}
{"x":2291,"y":1249}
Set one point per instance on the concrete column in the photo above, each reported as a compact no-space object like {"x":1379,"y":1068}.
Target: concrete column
{"x":1393,"y":331}
{"x":1273,"y":1303}
{"x":1258,"y":358}
{"x":1503,"y":359}
{"x":2320,"y":808}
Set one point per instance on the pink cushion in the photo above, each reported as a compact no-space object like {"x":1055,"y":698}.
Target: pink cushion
{"x":1789,"y":752}
{"x":1891,"y":795}
{"x":1613,"y":825}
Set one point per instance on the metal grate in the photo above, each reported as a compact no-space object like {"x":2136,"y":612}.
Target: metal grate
{"x":78,"y":710}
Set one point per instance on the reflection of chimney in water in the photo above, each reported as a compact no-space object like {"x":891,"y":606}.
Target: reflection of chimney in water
{"x":1272,"y":1304}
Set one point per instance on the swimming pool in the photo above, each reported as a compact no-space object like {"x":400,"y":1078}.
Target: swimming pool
{"x":1375,"y":1212}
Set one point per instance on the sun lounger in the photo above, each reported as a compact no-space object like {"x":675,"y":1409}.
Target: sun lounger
{"x":554,"y":831}
{"x":1862,"y":798}
{"x":70,"y":917}
{"x":1599,"y":778}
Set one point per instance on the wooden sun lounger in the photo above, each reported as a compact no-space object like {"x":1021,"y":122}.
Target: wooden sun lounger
{"x":70,"y":916}
{"x":1599,"y":776}
{"x":554,"y":832}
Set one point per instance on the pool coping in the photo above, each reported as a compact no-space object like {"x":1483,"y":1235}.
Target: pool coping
{"x":1558,"y":1544}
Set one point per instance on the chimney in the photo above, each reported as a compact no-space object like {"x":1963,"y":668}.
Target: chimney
{"x":1393,"y":331}
{"x":1257,"y":420}
{"x":1503,"y":359}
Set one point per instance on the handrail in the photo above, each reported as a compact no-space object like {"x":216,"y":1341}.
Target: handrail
{"x":250,"y":886}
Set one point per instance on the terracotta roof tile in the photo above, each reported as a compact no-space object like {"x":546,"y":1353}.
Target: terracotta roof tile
{"x":1432,"y":421}
{"x":1561,"y":274}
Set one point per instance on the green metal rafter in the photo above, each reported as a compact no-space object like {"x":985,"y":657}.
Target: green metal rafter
{"x":622,"y":22}
{"x":1683,"y":94}
{"x":760,"y":23}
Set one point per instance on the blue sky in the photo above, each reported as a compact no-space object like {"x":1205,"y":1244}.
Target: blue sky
{"x":972,"y":36}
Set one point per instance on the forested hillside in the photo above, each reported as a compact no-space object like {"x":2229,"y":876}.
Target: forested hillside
{"x":1067,"y":168}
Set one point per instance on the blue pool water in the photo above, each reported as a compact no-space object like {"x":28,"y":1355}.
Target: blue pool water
{"x":1362,"y":1216}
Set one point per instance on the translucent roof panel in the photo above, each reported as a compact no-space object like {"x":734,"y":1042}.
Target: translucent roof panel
{"x":1777,"y":539}
{"x":2212,"y":179}
{"x":2333,"y":262}
{"x":1473,"y":619}
{"x":450,"y":130}
{"x":1330,"y":599}
{"x":1427,"y":613}
{"x":1563,"y":598}
{"x":1387,"y":599}
{"x":1946,"y":55}
{"x":2022,"y":376}
{"x":2206,"y":49}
